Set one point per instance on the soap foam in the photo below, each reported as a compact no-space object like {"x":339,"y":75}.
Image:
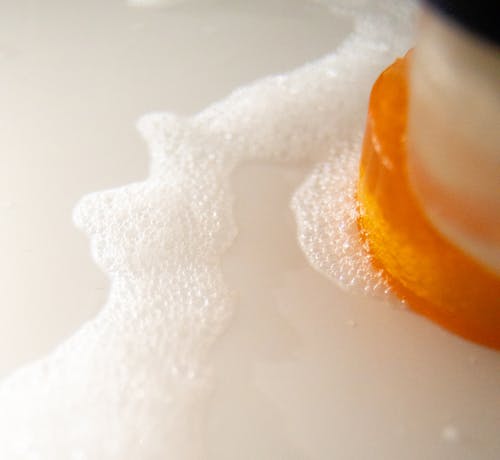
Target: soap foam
{"x":326,"y":216}
{"x":132,"y":383}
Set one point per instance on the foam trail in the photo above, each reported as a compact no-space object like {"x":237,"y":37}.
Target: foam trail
{"x":132,"y":383}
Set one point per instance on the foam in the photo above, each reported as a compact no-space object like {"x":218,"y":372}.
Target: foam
{"x":133,"y":382}
{"x":326,"y":215}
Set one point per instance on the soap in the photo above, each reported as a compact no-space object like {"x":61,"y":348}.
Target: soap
{"x":433,"y":275}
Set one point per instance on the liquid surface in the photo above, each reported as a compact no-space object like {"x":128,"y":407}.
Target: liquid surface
{"x":137,"y":381}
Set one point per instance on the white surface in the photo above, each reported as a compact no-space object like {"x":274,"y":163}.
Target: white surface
{"x":304,"y":369}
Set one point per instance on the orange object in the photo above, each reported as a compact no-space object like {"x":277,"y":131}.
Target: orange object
{"x":435,"y":277}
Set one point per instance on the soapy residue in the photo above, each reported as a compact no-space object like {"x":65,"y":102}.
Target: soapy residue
{"x":132,"y":383}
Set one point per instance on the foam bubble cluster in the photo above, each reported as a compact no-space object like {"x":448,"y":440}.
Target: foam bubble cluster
{"x":132,"y":383}
{"x":327,"y":215}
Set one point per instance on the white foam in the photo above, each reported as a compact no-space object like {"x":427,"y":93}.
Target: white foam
{"x":132,"y":383}
{"x":327,"y":222}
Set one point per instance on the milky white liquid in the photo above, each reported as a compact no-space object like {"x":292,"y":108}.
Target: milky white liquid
{"x":133,"y":382}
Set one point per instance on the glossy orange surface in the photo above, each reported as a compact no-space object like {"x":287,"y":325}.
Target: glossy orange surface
{"x":435,"y":277}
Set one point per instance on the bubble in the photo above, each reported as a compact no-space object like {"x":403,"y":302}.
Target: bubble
{"x":325,"y":209}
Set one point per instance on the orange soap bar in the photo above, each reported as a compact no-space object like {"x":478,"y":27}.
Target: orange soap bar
{"x":434,"y":276}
